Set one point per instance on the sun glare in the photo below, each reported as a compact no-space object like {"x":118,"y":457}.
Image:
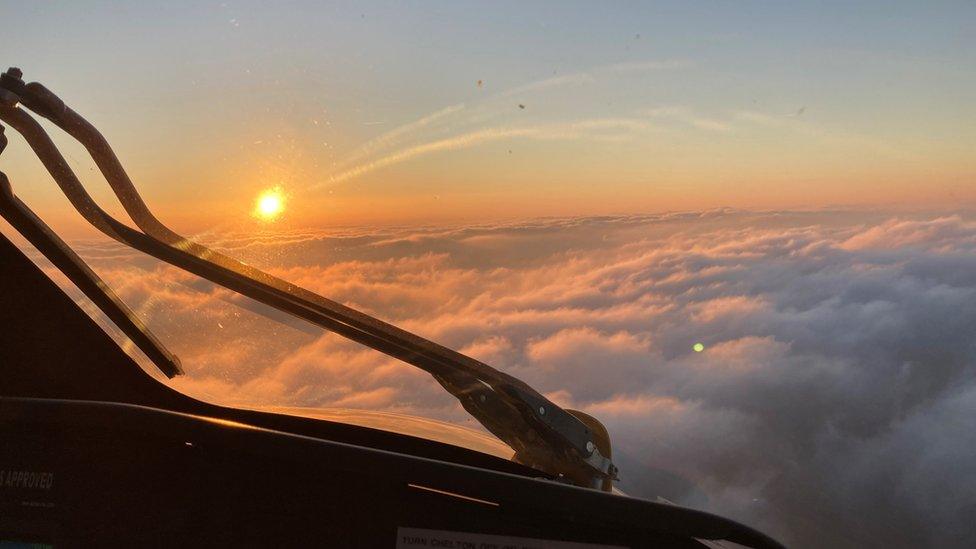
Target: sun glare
{"x":269,"y":204}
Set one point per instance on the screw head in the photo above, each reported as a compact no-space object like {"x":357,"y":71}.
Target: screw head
{"x":542,"y":411}
{"x":589,"y":446}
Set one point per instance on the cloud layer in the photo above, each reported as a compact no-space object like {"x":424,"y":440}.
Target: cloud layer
{"x":832,"y":405}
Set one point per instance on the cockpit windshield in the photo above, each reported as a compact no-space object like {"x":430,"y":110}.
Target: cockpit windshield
{"x":737,"y":240}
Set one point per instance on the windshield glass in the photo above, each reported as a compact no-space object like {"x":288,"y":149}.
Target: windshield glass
{"x":740,"y":236}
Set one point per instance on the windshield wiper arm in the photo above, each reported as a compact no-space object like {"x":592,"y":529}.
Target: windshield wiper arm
{"x":542,"y":434}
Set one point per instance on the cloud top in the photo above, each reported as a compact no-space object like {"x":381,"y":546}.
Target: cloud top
{"x":832,"y":404}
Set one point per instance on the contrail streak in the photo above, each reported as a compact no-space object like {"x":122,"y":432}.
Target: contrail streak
{"x":572,"y":130}
{"x":391,"y":137}
{"x":496,"y":105}
{"x":451,"y":143}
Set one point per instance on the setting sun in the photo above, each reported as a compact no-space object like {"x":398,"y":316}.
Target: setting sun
{"x":269,"y":204}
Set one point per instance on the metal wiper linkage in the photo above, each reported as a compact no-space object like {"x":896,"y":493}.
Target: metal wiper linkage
{"x":566,"y":444}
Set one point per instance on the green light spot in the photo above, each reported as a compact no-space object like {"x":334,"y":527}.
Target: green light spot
{"x":698,"y":347}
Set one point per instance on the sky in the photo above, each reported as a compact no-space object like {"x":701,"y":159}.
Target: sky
{"x":453,"y":111}
{"x":740,"y":234}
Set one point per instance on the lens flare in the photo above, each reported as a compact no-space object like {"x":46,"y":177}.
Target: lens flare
{"x":270,"y":204}
{"x":698,"y":347}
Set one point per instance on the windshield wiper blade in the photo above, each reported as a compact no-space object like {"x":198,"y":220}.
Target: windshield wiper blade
{"x":46,"y":241}
{"x":542,"y":434}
